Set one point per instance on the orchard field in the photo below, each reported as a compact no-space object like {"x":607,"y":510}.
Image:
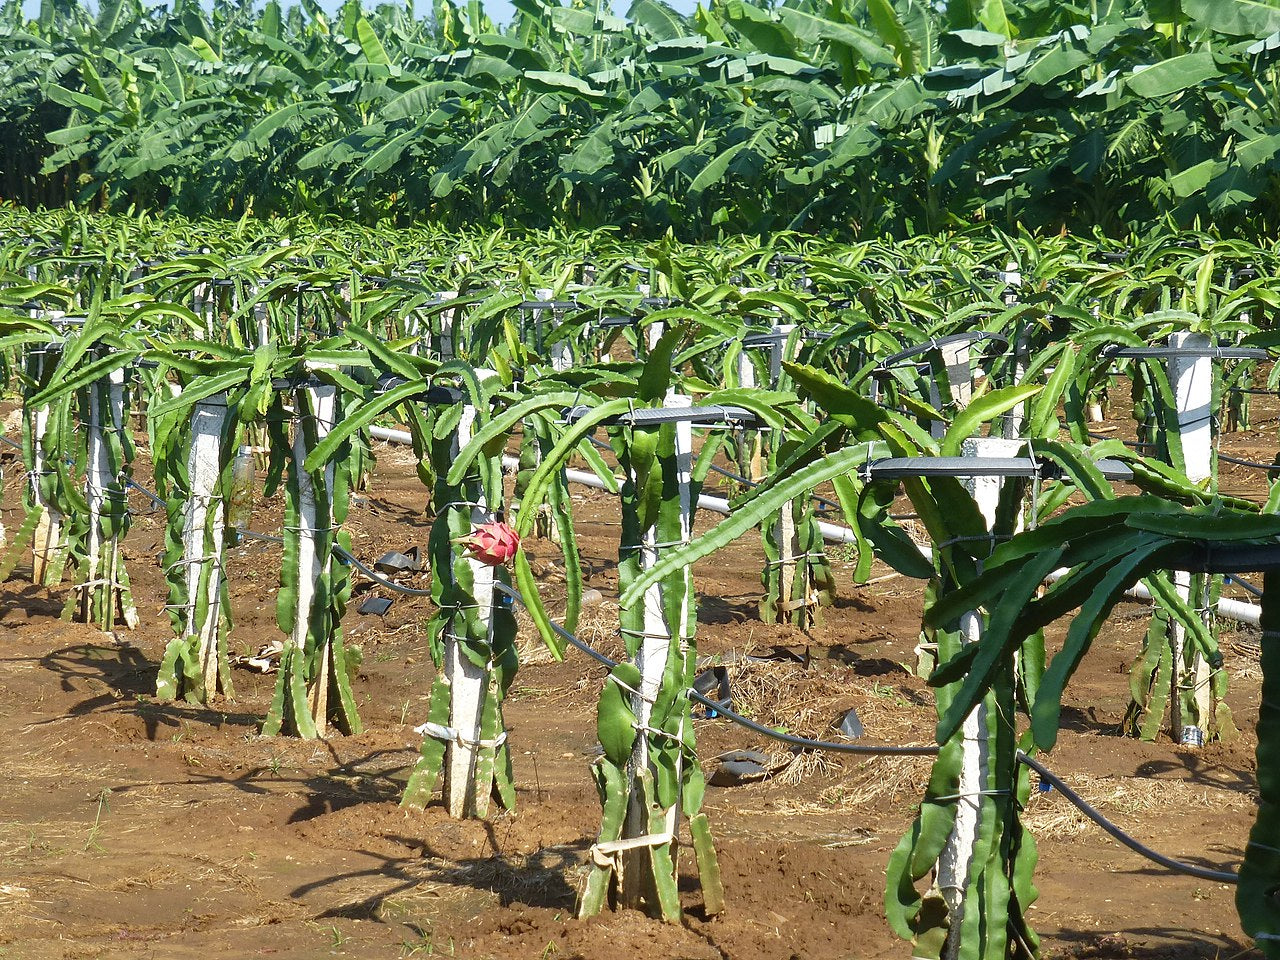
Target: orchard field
{"x":467,"y":594}
{"x":770,"y":480}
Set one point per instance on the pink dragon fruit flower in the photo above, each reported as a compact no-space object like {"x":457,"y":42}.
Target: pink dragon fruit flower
{"x":491,"y":543}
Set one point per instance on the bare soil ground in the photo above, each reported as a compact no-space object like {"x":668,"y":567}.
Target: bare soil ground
{"x":131,"y":828}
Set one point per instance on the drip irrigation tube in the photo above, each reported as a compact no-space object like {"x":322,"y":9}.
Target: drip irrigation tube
{"x":1178,"y":866}
{"x":349,"y":558}
{"x":1269,"y":467}
{"x":158,"y":503}
{"x":805,"y":742}
{"x":716,"y":414}
{"x":725,"y":711}
{"x":951,"y":339}
{"x":560,"y":631}
{"x":1212,"y":352}
{"x":1238,"y":610}
{"x":1256,"y":591}
{"x":1218,"y":876}
{"x":128,"y":483}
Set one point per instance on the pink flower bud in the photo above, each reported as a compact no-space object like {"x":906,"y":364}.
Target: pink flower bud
{"x":491,"y":543}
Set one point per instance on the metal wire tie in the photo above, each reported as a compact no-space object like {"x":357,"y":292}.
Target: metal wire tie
{"x":440,"y":732}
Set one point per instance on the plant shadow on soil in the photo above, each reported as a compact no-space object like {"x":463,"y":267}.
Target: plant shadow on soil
{"x":1168,"y":945}
{"x":126,"y":678}
{"x":1194,"y":768}
{"x":327,"y":790}
{"x":536,"y":881}
{"x":28,"y":602}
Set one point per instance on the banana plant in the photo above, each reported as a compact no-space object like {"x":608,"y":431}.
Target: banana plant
{"x":855,"y":120}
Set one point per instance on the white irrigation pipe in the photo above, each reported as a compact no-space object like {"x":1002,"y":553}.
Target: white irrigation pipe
{"x":1232,"y":609}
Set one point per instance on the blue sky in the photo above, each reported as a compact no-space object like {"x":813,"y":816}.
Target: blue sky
{"x":500,"y":10}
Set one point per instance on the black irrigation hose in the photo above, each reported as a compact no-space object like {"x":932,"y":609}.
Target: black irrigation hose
{"x":349,"y":558}
{"x":1218,"y":876}
{"x":1256,"y":591}
{"x":148,"y":494}
{"x":736,"y":717}
{"x":560,"y":631}
{"x":264,"y":537}
{"x":129,"y":483}
{"x":1269,"y":467}
{"x":1178,"y":866}
{"x":805,"y":742}
{"x":1212,"y":352}
{"x":377,"y":577}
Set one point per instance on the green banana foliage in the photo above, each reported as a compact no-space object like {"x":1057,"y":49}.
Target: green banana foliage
{"x":857,"y":119}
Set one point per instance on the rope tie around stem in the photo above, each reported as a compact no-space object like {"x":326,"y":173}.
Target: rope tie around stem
{"x":101,"y":427}
{"x":654,"y":546}
{"x":460,"y":606}
{"x":456,"y":638}
{"x":644,"y":635}
{"x":100,"y":582}
{"x":109,"y":492}
{"x":185,"y":560}
{"x":205,"y":498}
{"x":608,"y":854}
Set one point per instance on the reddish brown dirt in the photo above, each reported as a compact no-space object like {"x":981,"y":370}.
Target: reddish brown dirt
{"x":131,"y":828}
